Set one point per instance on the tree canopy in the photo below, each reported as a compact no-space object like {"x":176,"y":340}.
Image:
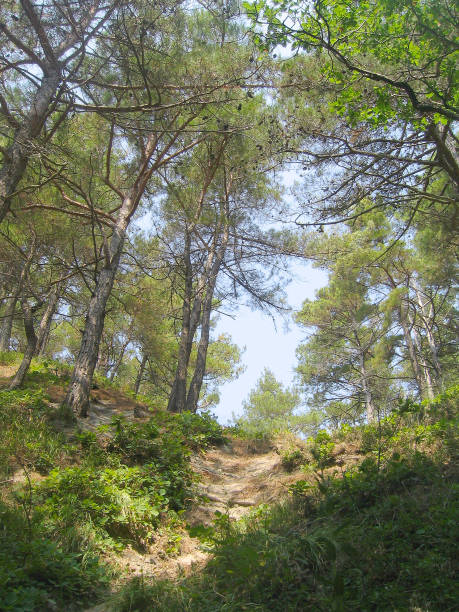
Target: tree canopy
{"x":179,"y":117}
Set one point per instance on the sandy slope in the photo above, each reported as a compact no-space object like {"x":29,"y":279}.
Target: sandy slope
{"x":233,"y":480}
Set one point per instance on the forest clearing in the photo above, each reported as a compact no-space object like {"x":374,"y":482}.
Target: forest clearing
{"x":166,"y":166}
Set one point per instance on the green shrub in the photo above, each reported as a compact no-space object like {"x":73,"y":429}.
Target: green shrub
{"x":414,"y":426}
{"x":36,"y":574}
{"x":165,"y":449}
{"x":200,"y":430}
{"x":375,"y":540}
{"x":292,"y":459}
{"x":321,"y":448}
{"x":119,"y":504}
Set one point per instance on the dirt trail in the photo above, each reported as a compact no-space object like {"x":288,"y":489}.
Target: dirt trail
{"x":233,"y":480}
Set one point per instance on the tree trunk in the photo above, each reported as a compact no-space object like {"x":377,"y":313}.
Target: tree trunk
{"x":447,"y":155}
{"x":369,"y":405}
{"x":427,"y":320}
{"x":138,"y":380}
{"x":31,"y":346}
{"x":177,"y":399}
{"x":119,"y":361}
{"x":17,"y":155}
{"x":424,"y":365}
{"x":77,"y":400}
{"x":178,"y":404}
{"x":7,"y":324}
{"x":45,"y":323}
{"x":200,"y":367}
{"x":103,"y":358}
{"x":411,"y":349}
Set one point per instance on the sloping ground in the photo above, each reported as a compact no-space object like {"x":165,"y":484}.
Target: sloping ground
{"x":232,"y":479}
{"x":105,"y":402}
{"x":6,"y":371}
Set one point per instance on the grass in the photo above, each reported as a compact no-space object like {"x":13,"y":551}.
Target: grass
{"x":96,"y":494}
{"x":380,"y":536}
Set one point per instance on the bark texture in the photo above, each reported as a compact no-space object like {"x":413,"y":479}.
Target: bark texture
{"x":18,"y":154}
{"x":19,"y":377}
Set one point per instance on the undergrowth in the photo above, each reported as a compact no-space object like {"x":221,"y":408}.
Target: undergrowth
{"x":378,"y":536}
{"x":65,"y":500}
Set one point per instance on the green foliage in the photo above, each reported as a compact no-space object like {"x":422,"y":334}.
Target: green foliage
{"x":270,"y":408}
{"x":200,"y":430}
{"x":42,"y":372}
{"x":376,"y":538}
{"x":119,"y":504}
{"x":321,"y":448}
{"x":46,"y":577}
{"x":414,"y":426}
{"x":246,"y":430}
{"x":132,"y":478}
{"x":292,"y":459}
{"x":8,"y":358}
{"x":387,"y":44}
{"x":165,"y":436}
{"x":27,"y":437}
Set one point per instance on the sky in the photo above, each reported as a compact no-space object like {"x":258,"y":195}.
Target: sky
{"x":268,"y":345}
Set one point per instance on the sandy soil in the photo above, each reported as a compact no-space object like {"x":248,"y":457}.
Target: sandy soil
{"x":232,"y":479}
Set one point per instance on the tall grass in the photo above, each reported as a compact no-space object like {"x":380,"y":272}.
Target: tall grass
{"x":379,"y":536}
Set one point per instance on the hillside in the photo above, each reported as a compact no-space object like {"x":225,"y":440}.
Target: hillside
{"x":246,"y":207}
{"x":139,"y":509}
{"x":39,"y":448}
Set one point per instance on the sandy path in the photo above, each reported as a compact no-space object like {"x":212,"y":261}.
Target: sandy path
{"x":231,"y":480}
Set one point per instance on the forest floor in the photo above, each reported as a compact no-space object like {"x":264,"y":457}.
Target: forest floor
{"x":233,"y":543}
{"x":232,"y":479}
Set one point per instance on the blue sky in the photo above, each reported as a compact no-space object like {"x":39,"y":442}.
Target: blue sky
{"x":266,"y":346}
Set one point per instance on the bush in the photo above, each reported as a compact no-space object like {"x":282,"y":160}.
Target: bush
{"x":199,"y":430}
{"x":321,"y":448}
{"x":36,"y":574}
{"x":111,"y":506}
{"x":373,"y":541}
{"x":292,"y":459}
